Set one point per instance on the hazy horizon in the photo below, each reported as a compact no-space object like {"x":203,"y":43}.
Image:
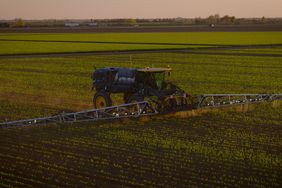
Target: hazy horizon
{"x":105,"y":9}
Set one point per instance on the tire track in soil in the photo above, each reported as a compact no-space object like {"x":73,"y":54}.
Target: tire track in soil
{"x":125,"y":52}
{"x":109,"y":42}
{"x":208,"y":45}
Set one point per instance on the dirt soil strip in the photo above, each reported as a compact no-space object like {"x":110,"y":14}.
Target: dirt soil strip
{"x":208,"y":46}
{"x":193,"y":28}
{"x":181,"y":50}
{"x":111,"y":42}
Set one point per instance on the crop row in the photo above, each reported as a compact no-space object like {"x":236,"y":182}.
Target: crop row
{"x":111,"y":172}
{"x":71,"y":162}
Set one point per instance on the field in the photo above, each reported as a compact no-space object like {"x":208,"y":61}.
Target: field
{"x":219,"y":149}
{"x":226,"y":149}
{"x":24,"y":47}
{"x":220,"y":38}
{"x":65,"y":84}
{"x":58,"y":43}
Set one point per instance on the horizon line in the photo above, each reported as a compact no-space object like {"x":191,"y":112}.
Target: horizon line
{"x":31,"y":19}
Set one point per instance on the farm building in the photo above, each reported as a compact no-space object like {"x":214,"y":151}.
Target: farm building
{"x":71,"y":24}
{"x":92,"y":24}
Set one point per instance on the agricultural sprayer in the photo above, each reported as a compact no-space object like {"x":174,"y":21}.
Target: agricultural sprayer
{"x":146,"y":92}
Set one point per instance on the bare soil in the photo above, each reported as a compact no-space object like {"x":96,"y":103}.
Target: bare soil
{"x":216,"y":51}
{"x":200,"y":28}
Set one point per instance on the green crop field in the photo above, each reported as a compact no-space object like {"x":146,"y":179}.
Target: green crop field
{"x":218,"y":38}
{"x":219,"y":149}
{"x":65,"y":83}
{"x":23,"y":47}
{"x":55,"y":43}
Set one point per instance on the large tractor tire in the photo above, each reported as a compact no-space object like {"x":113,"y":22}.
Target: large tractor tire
{"x":102,"y":100}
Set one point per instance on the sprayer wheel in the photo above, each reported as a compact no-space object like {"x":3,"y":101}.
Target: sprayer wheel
{"x":102,"y":100}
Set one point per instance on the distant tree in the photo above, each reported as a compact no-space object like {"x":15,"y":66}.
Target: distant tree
{"x":228,"y":19}
{"x":217,"y":16}
{"x":212,"y":19}
{"x":132,"y":21}
{"x":263,"y":19}
{"x":19,"y":22}
{"x":232,"y":19}
{"x":199,"y":21}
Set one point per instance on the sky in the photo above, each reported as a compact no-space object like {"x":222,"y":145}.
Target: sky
{"x":99,"y":9}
